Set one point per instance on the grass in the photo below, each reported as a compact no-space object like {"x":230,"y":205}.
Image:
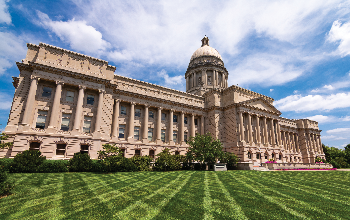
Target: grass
{"x":179,"y":195}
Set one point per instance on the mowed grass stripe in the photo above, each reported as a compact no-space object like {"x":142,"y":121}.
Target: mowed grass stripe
{"x":207,"y":201}
{"x":146,"y":207}
{"x":269,"y":198}
{"x":291,"y":198}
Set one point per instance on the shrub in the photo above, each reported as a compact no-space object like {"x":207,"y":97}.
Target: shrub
{"x":6,"y":163}
{"x":53,"y":166}
{"x":27,"y":162}
{"x":5,"y":185}
{"x":99,"y":166}
{"x":80,"y":163}
{"x":142,"y":163}
{"x":117,"y":163}
{"x":230,"y":159}
{"x":167,"y":162}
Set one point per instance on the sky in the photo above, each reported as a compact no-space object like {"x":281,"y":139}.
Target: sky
{"x":297,"y":52}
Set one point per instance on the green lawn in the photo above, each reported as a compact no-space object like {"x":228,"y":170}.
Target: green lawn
{"x":180,"y":195}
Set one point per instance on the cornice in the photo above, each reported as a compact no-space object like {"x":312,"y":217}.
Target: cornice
{"x":240,"y":89}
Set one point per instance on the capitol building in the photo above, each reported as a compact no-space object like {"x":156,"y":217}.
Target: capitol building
{"x":66,"y":102}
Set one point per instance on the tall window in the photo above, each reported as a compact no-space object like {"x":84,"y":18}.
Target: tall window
{"x":136,"y":133}
{"x":175,"y":118}
{"x":185,"y":120}
{"x":199,"y":80}
{"x":47,"y":92}
{"x":87,"y":124}
{"x":151,"y":114}
{"x":195,"y":121}
{"x":185,"y":136}
{"x":162,"y":137}
{"x":65,"y":122}
{"x":122,"y":110}
{"x":280,"y":157}
{"x":90,"y":99}
{"x":60,"y":149}
{"x":137,"y":112}
{"x":70,"y":96}
{"x":34,"y":146}
{"x":150,"y":134}
{"x":249,"y":155}
{"x":175,"y":136}
{"x":41,"y":120}
{"x":163,"y":116}
{"x":209,"y":80}
{"x":151,"y":153}
{"x":121,"y":131}
{"x":137,"y":152}
{"x":84,"y":148}
{"x":257,"y":155}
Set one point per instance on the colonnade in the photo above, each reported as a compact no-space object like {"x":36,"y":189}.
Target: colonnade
{"x":290,"y":141}
{"x":314,"y":142}
{"x":191,"y":79}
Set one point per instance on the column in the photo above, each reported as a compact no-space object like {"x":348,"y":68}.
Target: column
{"x":181,"y":133}
{"x":258,"y":129}
{"x":266,"y":137}
{"x":187,"y":83}
{"x":192,"y":126}
{"x":145,"y":125}
{"x":250,"y":129}
{"x":56,"y":105}
{"x":202,"y":125}
{"x":99,"y":111}
{"x":297,"y":143}
{"x":28,"y":110}
{"x":203,"y":76}
{"x":115,"y":122}
{"x":79,"y":109}
{"x":293,"y":142}
{"x":279,"y":133}
{"x":159,"y":125}
{"x":288,"y":141}
{"x":195,"y":79}
{"x":131,"y":122}
{"x":192,"y":80}
{"x":171,"y":123}
{"x":273,"y":136}
{"x":320,"y":144}
{"x":241,"y":126}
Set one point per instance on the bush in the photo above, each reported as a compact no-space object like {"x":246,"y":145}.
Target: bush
{"x":142,"y":163}
{"x":27,"y":162}
{"x":230,"y":159}
{"x":6,"y":163}
{"x":53,"y":166}
{"x":80,"y":163}
{"x":5,"y":185}
{"x":167,"y":162}
{"x":117,"y":163}
{"x":99,"y":166}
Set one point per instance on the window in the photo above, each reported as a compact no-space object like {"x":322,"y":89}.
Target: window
{"x":273,"y":156}
{"x":123,"y":152}
{"x":65,"y":122}
{"x":122,"y":110}
{"x":150,"y":134}
{"x":151,"y":153}
{"x":84,"y":148}
{"x":90,"y":99}
{"x":258,"y":156}
{"x":34,"y":146}
{"x":41,"y":120}
{"x":209,"y":80}
{"x":163,"y":116}
{"x":199,"y":80}
{"x":162,"y":137}
{"x":175,"y":118}
{"x":137,"y":152}
{"x":265,"y":156}
{"x":137,"y":112}
{"x":136,"y":133}
{"x":47,"y":92}
{"x":175,"y":136}
{"x":151,"y":114}
{"x":177,"y":152}
{"x":195,"y":121}
{"x":70,"y":96}
{"x":185,"y":120}
{"x":185,"y":137}
{"x":87,"y":124}
{"x":280,"y":157}
{"x":121,"y":131}
{"x":61,"y":149}
{"x":249,"y":155}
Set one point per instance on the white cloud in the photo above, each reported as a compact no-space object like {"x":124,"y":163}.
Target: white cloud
{"x":78,"y":34}
{"x":332,"y":137}
{"x":172,"y":82}
{"x":6,"y":101}
{"x":340,"y":33}
{"x":323,"y":118}
{"x":339,"y":131}
{"x":301,"y":103}
{"x":346,"y":118}
{"x":330,"y":87}
{"x":271,"y":90}
{"x":5,"y":16}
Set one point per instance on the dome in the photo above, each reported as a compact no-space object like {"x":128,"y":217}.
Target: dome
{"x":205,"y":50}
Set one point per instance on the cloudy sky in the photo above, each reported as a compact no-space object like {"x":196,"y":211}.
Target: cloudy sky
{"x":297,"y":52}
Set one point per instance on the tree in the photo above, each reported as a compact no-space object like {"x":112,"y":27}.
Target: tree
{"x":167,"y":161}
{"x":204,"y":149}
{"x":230,"y":159}
{"x":337,"y":157}
{"x":3,"y":144}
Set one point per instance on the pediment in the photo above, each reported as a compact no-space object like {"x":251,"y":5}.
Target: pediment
{"x":260,"y":103}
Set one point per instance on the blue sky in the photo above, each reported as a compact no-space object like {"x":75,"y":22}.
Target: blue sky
{"x":297,"y":52}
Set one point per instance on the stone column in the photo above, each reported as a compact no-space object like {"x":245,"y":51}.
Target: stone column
{"x":216,"y":78}
{"x":99,"y":111}
{"x":315,"y":143}
{"x":145,"y":125}
{"x":273,"y":136}
{"x":159,"y":126}
{"x":250,"y":128}
{"x":192,"y":126}
{"x":279,"y":133}
{"x":202,"y":125}
{"x":56,"y":106}
{"x":293,"y":142}
{"x":266,"y":137}
{"x":181,"y":128}
{"x":131,"y":122}
{"x":28,"y":110}
{"x":320,"y":143}
{"x":195,"y":79}
{"x":187,"y":83}
{"x":79,"y":109}
{"x":297,"y":143}
{"x":115,"y":122}
{"x":241,"y":126}
{"x":171,"y":123}
{"x":258,"y":129}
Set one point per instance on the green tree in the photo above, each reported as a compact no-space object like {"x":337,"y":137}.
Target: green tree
{"x":3,"y":143}
{"x":109,"y":150}
{"x":337,"y":157}
{"x":204,"y":149}
{"x":167,"y":161}
{"x":230,"y":159}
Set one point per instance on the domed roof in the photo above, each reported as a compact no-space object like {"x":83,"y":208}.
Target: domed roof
{"x":205,"y":50}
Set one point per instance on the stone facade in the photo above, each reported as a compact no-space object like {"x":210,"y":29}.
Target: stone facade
{"x":66,"y":102}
